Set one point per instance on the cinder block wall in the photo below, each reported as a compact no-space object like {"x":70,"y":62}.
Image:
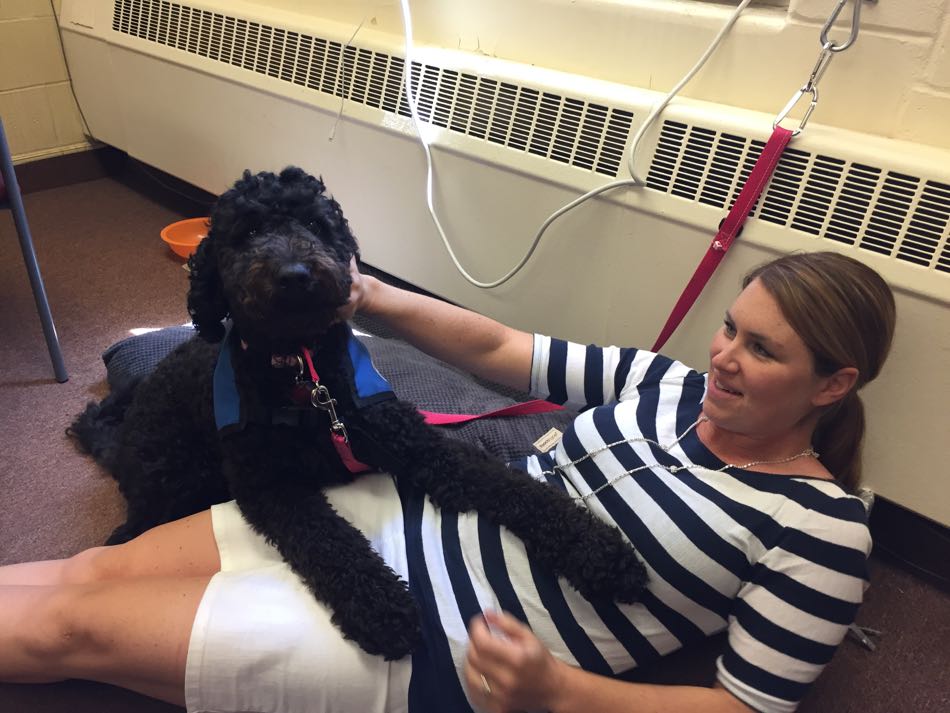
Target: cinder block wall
{"x":906,"y":43}
{"x":38,"y":109}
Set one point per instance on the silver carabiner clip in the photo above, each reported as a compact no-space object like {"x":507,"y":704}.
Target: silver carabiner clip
{"x":813,"y":91}
{"x":855,"y":26}
{"x":824,"y":59}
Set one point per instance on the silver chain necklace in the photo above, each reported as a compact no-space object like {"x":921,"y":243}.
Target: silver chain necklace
{"x":670,"y":468}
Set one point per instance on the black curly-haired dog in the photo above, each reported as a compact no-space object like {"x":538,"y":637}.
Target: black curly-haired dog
{"x":275,"y":267}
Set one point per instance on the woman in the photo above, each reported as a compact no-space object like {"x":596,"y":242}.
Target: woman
{"x":716,"y":479}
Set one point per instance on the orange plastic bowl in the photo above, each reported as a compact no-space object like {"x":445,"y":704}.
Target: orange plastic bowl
{"x":183,"y":237}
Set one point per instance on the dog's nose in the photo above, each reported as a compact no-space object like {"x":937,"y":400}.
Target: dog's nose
{"x":293,"y":277}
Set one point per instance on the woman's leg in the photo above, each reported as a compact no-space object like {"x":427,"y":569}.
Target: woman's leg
{"x":183,"y":548}
{"x":132,"y":633}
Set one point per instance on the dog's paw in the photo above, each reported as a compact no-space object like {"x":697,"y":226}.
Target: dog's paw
{"x":604,"y":565}
{"x":383,"y":621}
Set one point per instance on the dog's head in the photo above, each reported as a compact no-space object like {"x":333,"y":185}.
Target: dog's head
{"x":276,"y":261}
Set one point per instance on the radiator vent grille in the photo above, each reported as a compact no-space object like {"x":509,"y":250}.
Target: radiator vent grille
{"x":564,"y":129}
{"x":885,"y":212}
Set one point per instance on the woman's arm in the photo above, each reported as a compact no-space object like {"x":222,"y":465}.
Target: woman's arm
{"x":523,"y":675}
{"x":455,"y":335}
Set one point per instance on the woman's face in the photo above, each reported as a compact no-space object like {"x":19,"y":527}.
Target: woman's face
{"x":762,"y":379}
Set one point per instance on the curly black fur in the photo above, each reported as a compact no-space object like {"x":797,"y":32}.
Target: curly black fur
{"x":276,"y":263}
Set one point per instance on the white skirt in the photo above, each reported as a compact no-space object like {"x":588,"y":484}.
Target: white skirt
{"x":261,"y":642}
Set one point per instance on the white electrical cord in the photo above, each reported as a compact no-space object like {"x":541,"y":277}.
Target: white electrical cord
{"x":717,"y":40}
{"x":634,"y":180}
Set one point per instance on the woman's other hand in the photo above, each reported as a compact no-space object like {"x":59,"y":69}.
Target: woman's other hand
{"x":520,"y":675}
{"x":507,"y":668}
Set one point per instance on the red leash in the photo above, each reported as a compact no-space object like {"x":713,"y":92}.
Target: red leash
{"x":320,"y":398}
{"x":728,"y":230}
{"x":528,"y":407}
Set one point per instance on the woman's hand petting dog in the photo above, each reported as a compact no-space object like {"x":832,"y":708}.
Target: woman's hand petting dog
{"x":358,"y":294}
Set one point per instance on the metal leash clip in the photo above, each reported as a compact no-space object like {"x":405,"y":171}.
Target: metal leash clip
{"x":320,"y":395}
{"x":320,"y":398}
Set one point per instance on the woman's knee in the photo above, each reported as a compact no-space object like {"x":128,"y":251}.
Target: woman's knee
{"x":125,"y":631}
{"x":96,"y":564}
{"x":58,"y":634}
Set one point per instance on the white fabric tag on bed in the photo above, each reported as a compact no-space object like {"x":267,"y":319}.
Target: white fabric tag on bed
{"x":548,"y":440}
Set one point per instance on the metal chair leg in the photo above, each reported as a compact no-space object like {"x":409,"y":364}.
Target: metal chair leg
{"x":29,"y":257}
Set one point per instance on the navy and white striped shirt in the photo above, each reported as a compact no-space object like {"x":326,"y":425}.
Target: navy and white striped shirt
{"x":778,"y":561}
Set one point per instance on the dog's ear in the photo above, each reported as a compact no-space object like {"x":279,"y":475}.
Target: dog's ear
{"x":207,"y":304}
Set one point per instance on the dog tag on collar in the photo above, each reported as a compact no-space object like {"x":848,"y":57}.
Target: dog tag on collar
{"x":301,"y":392}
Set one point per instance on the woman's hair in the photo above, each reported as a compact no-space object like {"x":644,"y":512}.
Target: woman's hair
{"x":844,"y":312}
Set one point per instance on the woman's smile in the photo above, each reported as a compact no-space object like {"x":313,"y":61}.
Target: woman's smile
{"x":717,"y":389}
